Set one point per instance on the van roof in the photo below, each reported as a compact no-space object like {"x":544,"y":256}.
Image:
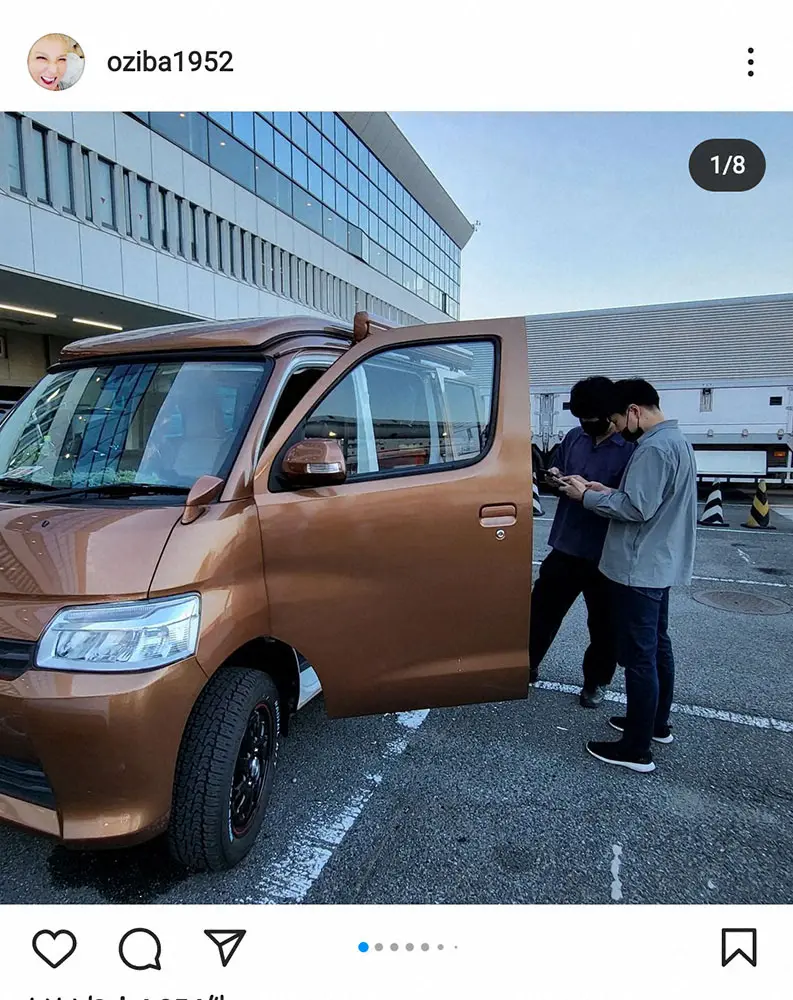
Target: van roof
{"x":240,"y":334}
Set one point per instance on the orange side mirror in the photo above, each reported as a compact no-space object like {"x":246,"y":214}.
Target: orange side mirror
{"x":204,"y":491}
{"x":315,"y":462}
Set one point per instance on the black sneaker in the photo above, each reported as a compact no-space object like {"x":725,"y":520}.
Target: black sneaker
{"x":662,"y":736}
{"x":593,"y":698}
{"x":616,"y":753}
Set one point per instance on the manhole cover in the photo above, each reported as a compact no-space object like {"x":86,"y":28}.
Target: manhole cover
{"x":745,"y":604}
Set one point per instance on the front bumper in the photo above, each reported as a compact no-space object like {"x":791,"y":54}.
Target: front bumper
{"x":90,"y":758}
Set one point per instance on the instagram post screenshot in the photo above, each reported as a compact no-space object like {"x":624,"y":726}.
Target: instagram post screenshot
{"x":396,"y":502}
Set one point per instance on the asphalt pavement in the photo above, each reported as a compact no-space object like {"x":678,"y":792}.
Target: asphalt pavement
{"x":501,"y":803}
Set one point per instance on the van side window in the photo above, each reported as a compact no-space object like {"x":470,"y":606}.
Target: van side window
{"x":467,"y":430}
{"x":405,"y":429}
{"x":296,"y":387}
{"x":411,"y":407}
{"x":338,"y":417}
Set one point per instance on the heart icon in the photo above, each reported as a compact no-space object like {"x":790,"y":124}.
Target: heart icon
{"x":54,"y":947}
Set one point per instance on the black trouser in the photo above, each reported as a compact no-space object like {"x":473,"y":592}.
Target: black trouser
{"x":562,"y":578}
{"x":645,"y":650}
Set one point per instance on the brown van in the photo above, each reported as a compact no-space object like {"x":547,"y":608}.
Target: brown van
{"x":203,"y":526}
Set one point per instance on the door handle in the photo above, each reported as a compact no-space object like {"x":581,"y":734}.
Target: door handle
{"x":498,"y":515}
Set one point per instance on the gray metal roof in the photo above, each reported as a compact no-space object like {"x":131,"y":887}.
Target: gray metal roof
{"x":382,"y":135}
{"x":712,"y":339}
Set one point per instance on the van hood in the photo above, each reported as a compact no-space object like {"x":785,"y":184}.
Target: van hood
{"x":54,"y":556}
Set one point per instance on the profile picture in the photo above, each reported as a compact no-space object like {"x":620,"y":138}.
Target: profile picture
{"x":56,"y":62}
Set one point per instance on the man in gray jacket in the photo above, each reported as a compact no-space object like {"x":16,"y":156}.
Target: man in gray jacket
{"x":649,"y":548}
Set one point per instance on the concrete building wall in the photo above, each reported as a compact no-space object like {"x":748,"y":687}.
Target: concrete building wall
{"x":45,"y":240}
{"x":24,"y":360}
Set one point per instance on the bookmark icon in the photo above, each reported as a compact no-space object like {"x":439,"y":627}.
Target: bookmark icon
{"x":737,"y":941}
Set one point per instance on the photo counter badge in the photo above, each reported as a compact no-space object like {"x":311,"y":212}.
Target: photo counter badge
{"x":56,"y":62}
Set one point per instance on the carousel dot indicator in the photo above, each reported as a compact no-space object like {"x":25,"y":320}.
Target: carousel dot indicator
{"x":363,"y":946}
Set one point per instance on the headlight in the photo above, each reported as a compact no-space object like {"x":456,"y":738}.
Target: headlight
{"x":137,"y":635}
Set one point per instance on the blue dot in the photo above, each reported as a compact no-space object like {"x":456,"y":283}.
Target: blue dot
{"x":363,"y":946}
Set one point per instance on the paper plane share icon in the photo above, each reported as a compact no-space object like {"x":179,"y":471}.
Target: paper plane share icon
{"x":227,"y":943}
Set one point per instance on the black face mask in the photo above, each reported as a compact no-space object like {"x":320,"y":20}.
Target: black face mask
{"x":631,"y":435}
{"x":596,"y":428}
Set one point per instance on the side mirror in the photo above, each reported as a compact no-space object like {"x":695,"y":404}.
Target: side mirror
{"x":315,"y":462}
{"x":203,"y":492}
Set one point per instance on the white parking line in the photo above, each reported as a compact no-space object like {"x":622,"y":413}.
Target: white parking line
{"x":717,"y":579}
{"x":288,"y":877}
{"x":722,"y":531}
{"x":716,"y":714}
{"x":738,"y":531}
{"x":616,"y":864}
{"x":750,"y":583}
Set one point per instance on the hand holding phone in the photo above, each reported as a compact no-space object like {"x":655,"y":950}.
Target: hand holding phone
{"x":553,"y":476}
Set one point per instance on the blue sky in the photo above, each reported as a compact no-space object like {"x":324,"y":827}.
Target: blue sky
{"x":587,"y":211}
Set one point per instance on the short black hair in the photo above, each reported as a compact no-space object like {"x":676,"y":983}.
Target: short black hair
{"x":592,"y":397}
{"x":634,"y":392}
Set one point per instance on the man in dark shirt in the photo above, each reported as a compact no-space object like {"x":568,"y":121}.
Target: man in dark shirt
{"x":596,"y":452}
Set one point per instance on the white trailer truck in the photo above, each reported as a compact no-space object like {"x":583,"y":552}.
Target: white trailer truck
{"x":723,"y":368}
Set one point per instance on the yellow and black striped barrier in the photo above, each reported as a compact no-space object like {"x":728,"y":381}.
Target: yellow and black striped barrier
{"x":759,"y":516}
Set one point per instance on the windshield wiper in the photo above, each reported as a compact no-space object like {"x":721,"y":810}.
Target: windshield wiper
{"x":117,"y":490}
{"x":11,"y":483}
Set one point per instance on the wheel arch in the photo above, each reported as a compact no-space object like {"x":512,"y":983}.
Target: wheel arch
{"x":278,"y":659}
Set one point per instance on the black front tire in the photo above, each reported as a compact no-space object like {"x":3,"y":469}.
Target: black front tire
{"x":202,"y":835}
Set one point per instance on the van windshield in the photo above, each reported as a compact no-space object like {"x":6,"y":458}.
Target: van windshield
{"x":164,"y":424}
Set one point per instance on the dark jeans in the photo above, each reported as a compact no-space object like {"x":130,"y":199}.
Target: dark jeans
{"x":645,"y":650}
{"x":562,"y":578}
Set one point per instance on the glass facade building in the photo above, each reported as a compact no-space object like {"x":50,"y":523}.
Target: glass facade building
{"x":314,"y":168}
{"x":60,"y":175}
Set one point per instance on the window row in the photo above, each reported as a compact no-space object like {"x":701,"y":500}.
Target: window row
{"x":76,"y":181}
{"x":58,"y":172}
{"x":287,"y":275}
{"x":327,"y":174}
{"x":329,"y":142}
{"x":286,"y":177}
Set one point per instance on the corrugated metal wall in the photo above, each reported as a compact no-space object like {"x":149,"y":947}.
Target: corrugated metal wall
{"x":728,"y":338}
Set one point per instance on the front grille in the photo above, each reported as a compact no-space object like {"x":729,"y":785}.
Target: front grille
{"x":15,"y":658}
{"x":25,"y":780}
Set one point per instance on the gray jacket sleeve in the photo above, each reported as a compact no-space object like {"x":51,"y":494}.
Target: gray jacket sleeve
{"x":646,"y":480}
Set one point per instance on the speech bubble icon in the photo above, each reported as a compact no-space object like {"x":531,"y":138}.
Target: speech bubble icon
{"x":140,"y":949}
